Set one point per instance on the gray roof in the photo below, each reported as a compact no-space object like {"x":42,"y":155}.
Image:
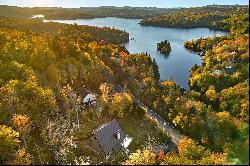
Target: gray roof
{"x":216,"y":72}
{"x":230,"y":69}
{"x":106,"y":136}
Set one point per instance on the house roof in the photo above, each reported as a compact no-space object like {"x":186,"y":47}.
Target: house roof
{"x":216,"y":72}
{"x":106,"y":136}
{"x":229,"y":69}
{"x":89,"y":97}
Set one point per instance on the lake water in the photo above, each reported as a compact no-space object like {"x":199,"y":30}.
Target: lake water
{"x":177,"y":64}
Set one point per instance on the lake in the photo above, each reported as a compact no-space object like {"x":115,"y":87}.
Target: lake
{"x":176,"y":65}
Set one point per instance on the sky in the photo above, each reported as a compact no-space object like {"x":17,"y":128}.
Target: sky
{"x":134,"y":3}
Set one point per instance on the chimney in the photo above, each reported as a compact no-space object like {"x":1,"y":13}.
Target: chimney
{"x":118,"y":135}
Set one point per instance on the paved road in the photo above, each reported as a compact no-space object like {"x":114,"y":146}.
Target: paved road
{"x":172,"y":132}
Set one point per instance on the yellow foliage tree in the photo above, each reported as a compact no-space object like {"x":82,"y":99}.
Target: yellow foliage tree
{"x":145,"y":157}
{"x":120,"y":104}
{"x":211,"y":94}
{"x":9,"y":140}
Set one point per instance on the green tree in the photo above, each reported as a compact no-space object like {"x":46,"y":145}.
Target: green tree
{"x":53,"y":74}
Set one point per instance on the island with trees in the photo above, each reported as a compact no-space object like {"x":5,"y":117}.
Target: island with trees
{"x":164,"y":47}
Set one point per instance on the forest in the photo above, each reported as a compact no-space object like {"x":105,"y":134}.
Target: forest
{"x":57,"y":13}
{"x":45,"y":68}
{"x":215,"y":112}
{"x":197,"y":17}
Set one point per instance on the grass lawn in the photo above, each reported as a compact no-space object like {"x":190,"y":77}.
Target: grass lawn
{"x":142,"y":131}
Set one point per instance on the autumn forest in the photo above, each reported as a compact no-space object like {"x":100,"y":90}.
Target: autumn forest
{"x":47,"y":68}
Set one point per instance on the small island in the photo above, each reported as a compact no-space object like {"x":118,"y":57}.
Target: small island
{"x":164,"y":47}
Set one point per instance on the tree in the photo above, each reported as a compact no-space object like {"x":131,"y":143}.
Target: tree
{"x":53,"y":74}
{"x":191,"y":154}
{"x":9,"y":141}
{"x":123,"y":55}
{"x":221,"y":129}
{"x":141,"y":157}
{"x":188,"y":148}
{"x":120,"y":105}
{"x":235,"y":100}
{"x":59,"y":136}
{"x":21,"y":123}
{"x":211,"y":94}
{"x":106,"y":90}
{"x":20,"y":158}
{"x":26,"y":98}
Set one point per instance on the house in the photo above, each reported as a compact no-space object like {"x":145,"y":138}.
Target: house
{"x":229,"y":70}
{"x":118,"y":58}
{"x":217,"y":72}
{"x":232,"y":61}
{"x":108,"y":139}
{"x":233,"y":54}
{"x":90,"y":99}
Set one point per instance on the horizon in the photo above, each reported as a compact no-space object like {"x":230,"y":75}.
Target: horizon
{"x":119,"y":3}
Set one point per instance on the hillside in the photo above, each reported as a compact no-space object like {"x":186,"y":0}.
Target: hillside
{"x":47,"y":69}
{"x":198,"y":17}
{"x":53,"y":13}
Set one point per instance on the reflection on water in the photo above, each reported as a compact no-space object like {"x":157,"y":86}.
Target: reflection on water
{"x":166,"y":55}
{"x":175,"y":65}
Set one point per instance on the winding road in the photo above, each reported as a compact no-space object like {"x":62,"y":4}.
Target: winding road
{"x":172,"y":132}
